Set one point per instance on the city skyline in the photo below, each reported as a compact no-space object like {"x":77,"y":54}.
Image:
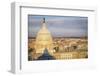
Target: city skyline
{"x":59,"y":26}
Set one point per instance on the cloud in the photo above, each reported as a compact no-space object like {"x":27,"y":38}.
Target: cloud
{"x":59,"y":25}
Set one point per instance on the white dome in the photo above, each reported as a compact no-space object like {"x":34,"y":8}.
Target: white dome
{"x":43,"y":39}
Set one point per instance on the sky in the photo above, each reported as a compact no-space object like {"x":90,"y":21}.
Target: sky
{"x":59,"y":26}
